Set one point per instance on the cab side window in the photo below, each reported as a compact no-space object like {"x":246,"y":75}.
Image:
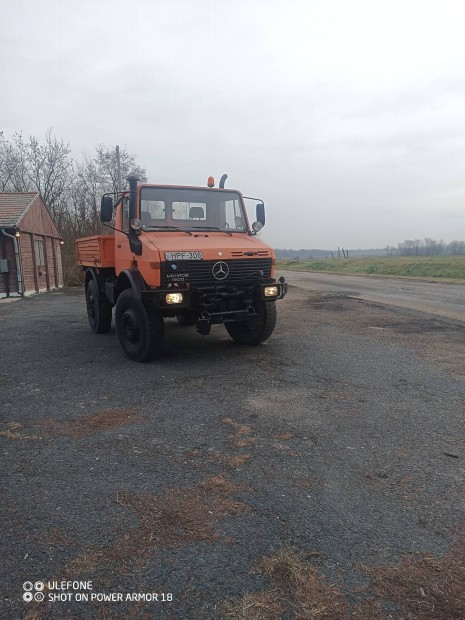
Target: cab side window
{"x":152,"y":212}
{"x":233,"y":215}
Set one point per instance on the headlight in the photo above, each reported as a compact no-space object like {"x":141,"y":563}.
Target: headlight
{"x":174,"y":298}
{"x":271,"y":291}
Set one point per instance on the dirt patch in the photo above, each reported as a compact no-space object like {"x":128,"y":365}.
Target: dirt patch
{"x":93,"y":422}
{"x":200,"y":457}
{"x":57,"y":537}
{"x":307,"y":483}
{"x":18,"y":436}
{"x":13,"y":430}
{"x":256,"y":606}
{"x":242,"y":433}
{"x":298,"y":590}
{"x":99,"y":421}
{"x":236,"y":460}
{"x":431,"y":588}
{"x":420,"y":586}
{"x":180,"y":516}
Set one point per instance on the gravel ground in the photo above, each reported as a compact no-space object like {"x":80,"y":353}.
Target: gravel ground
{"x":340,"y":442}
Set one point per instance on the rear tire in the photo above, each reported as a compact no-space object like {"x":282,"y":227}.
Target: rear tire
{"x":241,"y":333}
{"x":140,"y":332}
{"x":98,"y":309}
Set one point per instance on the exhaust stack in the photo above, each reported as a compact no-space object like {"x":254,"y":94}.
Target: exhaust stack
{"x":134,"y":242}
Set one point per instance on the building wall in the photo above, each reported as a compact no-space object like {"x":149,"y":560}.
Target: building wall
{"x":39,"y":250}
{"x":37,"y":220}
{"x":28,"y":264}
{"x":47,"y":273}
{"x":41,"y":277}
{"x":7,"y":251}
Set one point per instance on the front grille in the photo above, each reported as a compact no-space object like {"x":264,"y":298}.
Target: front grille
{"x":200,"y":271}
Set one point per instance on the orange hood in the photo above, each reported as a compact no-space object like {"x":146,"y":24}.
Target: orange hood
{"x":212,"y":244}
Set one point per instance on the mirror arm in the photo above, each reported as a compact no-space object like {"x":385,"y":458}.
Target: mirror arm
{"x":117,"y":229}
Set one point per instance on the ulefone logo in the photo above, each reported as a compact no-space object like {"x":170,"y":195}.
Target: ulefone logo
{"x":37,"y":595}
{"x":220,"y":270}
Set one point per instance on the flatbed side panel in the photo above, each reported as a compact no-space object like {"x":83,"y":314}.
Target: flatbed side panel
{"x":97,"y":251}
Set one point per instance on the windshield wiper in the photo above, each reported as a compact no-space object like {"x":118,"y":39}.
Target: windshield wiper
{"x":212,"y":228}
{"x":169,"y":228}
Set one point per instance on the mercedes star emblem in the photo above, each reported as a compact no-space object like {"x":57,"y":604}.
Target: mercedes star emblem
{"x":220,"y":270}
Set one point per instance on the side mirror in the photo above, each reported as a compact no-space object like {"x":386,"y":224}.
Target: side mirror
{"x":261,"y":213}
{"x":106,"y":209}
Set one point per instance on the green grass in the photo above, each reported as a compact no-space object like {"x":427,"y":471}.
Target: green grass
{"x":450,"y":267}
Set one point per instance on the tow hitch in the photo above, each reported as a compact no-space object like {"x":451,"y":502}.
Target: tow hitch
{"x":207,"y":319}
{"x":203,"y":325}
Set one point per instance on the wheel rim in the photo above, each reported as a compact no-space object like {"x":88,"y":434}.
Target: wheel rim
{"x":129,"y":326}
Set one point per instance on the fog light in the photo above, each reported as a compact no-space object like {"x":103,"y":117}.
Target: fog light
{"x":173,"y":298}
{"x":271,"y":291}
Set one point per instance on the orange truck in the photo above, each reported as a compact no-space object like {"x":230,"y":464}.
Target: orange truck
{"x":184,"y":252}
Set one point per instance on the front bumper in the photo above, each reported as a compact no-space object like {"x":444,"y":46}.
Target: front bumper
{"x":220,"y":303}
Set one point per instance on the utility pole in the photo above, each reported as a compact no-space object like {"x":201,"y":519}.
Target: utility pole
{"x":118,"y":167}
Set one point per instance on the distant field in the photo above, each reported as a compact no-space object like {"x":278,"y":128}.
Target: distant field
{"x":452,"y":267}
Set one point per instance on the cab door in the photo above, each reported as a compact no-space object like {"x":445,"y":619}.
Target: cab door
{"x":123,"y":254}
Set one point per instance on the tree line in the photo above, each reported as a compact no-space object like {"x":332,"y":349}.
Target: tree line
{"x":416,"y":247}
{"x":430,"y":247}
{"x":70,"y":188}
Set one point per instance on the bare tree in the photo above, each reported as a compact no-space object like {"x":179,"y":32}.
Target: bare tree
{"x":93,"y":177}
{"x":98,"y":175}
{"x":71,"y":190}
{"x":50,"y":169}
{"x":46,"y":167}
{"x":14,"y":170}
{"x":456,"y":247}
{"x":430,"y":247}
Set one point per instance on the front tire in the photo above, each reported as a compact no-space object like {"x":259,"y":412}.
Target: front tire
{"x":241,"y":333}
{"x":140,"y":332}
{"x":98,"y":310}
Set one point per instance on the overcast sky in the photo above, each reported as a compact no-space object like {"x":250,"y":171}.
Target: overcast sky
{"x":346,"y":117}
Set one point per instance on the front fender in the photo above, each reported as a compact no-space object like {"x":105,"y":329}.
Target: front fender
{"x":132,"y":278}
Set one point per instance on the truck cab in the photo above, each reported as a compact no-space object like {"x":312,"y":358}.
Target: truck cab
{"x":179,"y":251}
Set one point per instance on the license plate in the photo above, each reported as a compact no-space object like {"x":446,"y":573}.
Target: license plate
{"x":183,"y":256}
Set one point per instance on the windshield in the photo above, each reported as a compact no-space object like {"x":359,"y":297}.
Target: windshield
{"x":165,"y":208}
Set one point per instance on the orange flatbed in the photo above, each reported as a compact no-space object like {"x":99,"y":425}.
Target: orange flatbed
{"x":96,"y":251}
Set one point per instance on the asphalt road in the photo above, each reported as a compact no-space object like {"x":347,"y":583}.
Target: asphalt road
{"x":441,"y":299}
{"x":341,"y":441}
